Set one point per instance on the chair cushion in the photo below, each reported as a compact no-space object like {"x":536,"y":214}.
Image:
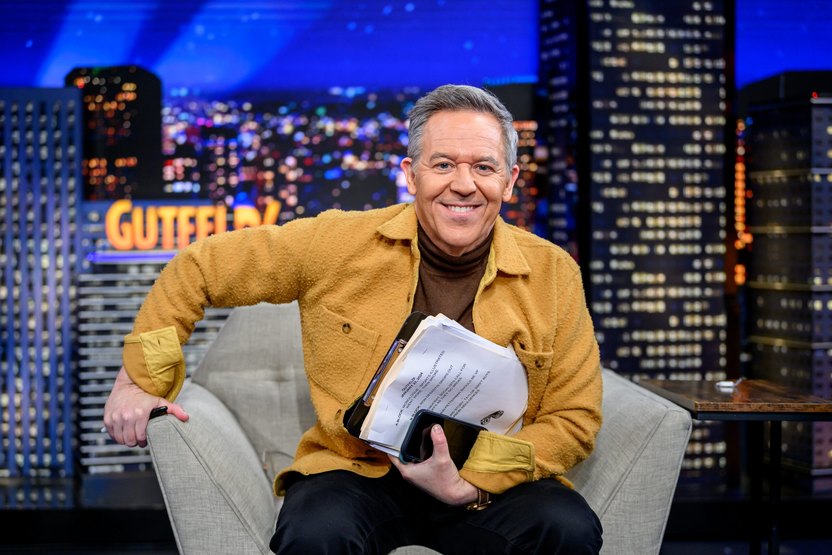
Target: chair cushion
{"x":630,"y":477}
{"x":262,"y":382}
{"x":211,"y":479}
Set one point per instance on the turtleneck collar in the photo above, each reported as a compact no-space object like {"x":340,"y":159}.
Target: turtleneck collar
{"x":507,"y":256}
{"x":439,"y":261}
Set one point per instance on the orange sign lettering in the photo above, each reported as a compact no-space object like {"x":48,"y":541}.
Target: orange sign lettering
{"x":167,"y":227}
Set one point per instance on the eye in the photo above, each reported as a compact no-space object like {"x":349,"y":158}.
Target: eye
{"x":443,"y":166}
{"x":485,"y":168}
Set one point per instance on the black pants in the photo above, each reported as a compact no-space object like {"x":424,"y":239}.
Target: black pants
{"x":342,"y":513}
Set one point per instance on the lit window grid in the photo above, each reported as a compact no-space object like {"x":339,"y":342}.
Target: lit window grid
{"x":672,"y":105}
{"x":798,"y":316}
{"x":30,"y":494}
{"x":795,"y":199}
{"x":705,"y":453}
{"x":658,"y":203}
{"x":109,"y":297}
{"x":789,"y":285}
{"x":799,"y":259}
{"x":122,"y":114}
{"x":39,"y":199}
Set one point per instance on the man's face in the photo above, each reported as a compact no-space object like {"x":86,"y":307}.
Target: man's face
{"x":460,"y":179}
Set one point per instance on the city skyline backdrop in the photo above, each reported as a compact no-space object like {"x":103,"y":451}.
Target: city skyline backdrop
{"x":640,"y":133}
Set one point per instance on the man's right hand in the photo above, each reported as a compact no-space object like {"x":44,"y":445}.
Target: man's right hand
{"x":128,"y":409}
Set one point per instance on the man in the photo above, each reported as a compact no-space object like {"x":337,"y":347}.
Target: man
{"x":356,"y":276}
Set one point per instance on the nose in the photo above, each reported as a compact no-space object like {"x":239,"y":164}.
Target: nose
{"x":463,"y":180}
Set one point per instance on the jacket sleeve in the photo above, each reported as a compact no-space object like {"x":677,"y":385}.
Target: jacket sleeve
{"x":568,"y":419}
{"x":236,"y":268}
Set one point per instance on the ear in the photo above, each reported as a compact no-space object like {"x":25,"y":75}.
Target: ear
{"x":409,"y":175}
{"x":515,"y":172}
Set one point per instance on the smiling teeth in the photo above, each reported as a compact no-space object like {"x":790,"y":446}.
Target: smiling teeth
{"x":460,"y":209}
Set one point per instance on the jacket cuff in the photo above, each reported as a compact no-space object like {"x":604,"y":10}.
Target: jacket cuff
{"x":154,"y":361}
{"x":497,"y":462}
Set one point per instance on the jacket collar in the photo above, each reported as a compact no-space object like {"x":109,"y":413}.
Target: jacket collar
{"x":506,"y":254}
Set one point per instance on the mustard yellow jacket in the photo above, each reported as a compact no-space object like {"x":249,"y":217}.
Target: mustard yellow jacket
{"x":354,"y":276}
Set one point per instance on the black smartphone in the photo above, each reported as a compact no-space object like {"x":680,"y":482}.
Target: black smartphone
{"x":418,"y":446}
{"x":157,"y":412}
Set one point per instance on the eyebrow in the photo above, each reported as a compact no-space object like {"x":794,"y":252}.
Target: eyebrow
{"x":440,"y":155}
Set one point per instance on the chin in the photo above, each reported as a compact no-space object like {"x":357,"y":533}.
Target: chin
{"x":461,"y":248}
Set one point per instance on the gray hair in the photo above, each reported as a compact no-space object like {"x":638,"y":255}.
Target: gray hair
{"x":458,"y":98}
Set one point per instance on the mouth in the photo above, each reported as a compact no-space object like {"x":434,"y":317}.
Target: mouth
{"x":461,"y":208}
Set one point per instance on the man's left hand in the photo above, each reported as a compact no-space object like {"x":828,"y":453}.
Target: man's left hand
{"x":438,"y":475}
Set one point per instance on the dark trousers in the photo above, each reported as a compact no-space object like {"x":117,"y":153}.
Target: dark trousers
{"x":342,"y":513}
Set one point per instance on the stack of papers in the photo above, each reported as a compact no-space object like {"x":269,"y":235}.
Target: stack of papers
{"x":447,"y":369}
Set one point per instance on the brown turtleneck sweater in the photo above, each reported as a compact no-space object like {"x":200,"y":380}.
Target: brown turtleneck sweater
{"x":448,"y":284}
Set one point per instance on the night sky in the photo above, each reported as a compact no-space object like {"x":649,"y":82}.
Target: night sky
{"x":217,"y":48}
{"x":223,"y":49}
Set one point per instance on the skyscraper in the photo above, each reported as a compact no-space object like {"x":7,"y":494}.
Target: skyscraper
{"x":635,"y":116}
{"x":40,"y":167}
{"x":122,"y":113}
{"x":789,"y":173}
{"x":111,"y":289}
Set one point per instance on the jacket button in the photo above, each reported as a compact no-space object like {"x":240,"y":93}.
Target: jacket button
{"x":346,"y":328}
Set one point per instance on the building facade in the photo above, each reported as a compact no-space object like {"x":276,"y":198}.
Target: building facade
{"x":636,"y":100}
{"x":789,"y":286}
{"x":40,"y":185}
{"x":122,"y":122}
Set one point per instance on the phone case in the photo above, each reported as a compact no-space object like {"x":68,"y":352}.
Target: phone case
{"x":417,"y":445}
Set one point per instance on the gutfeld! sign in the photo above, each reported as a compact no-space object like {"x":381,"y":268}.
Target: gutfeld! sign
{"x":168,"y":227}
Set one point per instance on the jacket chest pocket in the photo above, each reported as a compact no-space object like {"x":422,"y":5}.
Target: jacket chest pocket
{"x":339,"y":352}
{"x":538,"y":364}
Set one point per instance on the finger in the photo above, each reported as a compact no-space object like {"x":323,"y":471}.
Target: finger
{"x":108,"y":424}
{"x":115,"y":432}
{"x":141,"y":433}
{"x":129,"y":430}
{"x":116,"y":428}
{"x":177,"y":411}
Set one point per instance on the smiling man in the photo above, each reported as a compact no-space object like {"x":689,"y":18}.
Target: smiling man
{"x":356,"y":276}
{"x":460,"y":176}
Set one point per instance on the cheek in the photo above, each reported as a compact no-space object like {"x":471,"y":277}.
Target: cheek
{"x":429,"y":188}
{"x":497,"y":191}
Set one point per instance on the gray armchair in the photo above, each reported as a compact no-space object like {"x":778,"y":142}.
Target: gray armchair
{"x":248,"y":403}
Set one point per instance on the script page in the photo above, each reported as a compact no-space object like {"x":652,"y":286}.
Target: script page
{"x":452,"y":371}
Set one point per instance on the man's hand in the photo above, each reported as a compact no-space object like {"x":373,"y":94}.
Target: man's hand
{"x":128,"y":409}
{"x":438,"y":475}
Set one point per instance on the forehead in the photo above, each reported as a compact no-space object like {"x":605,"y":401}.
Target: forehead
{"x":463,"y":130}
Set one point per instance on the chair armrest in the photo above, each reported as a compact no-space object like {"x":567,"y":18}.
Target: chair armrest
{"x":208,"y":462}
{"x":630,"y":477}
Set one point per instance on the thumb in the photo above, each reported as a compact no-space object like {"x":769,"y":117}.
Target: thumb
{"x":175,"y":410}
{"x":437,"y":436}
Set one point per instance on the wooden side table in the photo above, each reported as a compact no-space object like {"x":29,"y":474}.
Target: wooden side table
{"x":748,"y":400}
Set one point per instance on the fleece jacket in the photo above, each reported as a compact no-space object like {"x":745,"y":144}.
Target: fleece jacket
{"x":354,"y":275}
